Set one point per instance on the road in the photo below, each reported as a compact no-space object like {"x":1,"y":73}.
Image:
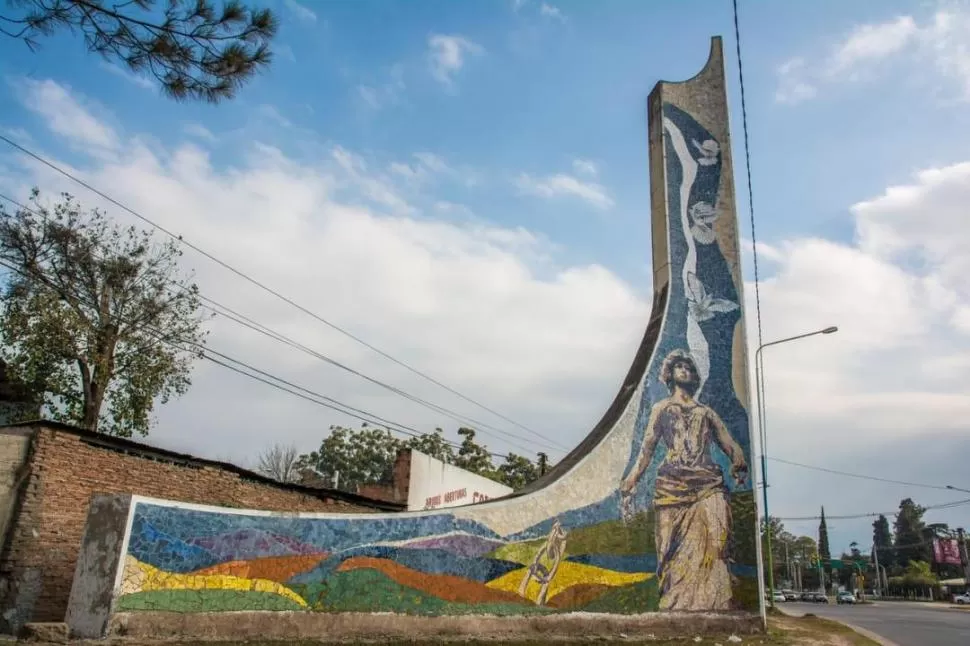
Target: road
{"x":906,"y":624}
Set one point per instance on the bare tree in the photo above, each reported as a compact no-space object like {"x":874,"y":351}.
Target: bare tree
{"x":193,"y":50}
{"x":280,"y":463}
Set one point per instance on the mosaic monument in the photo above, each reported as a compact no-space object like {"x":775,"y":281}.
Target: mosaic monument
{"x":653,"y":512}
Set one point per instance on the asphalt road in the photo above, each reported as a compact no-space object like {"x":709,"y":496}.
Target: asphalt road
{"x":904,"y":623}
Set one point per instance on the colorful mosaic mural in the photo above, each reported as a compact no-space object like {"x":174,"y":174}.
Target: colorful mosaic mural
{"x":658,"y":515}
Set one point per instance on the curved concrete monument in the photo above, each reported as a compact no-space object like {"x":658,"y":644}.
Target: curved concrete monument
{"x":651,"y":517}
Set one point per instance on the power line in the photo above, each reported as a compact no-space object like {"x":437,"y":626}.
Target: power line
{"x":286,"y":386}
{"x":264,"y":287}
{"x":859,"y":475}
{"x":947,"y":505}
{"x":747,"y":163}
{"x":248,"y":322}
{"x":293,"y":344}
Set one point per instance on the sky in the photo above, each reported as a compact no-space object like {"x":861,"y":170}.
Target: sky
{"x":464,"y":186}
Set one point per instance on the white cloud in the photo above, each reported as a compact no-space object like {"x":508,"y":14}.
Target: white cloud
{"x":444,"y":206}
{"x":462,"y":302}
{"x":369,"y":95}
{"x":792,"y":88}
{"x":302,"y":12}
{"x":428,"y":166}
{"x":903,"y":44}
{"x":447,"y":56}
{"x":433,"y":162}
{"x":489,"y":311}
{"x":138,"y":79}
{"x":869,"y":43}
{"x":272,"y":113}
{"x":66,"y":115}
{"x":890,"y":383}
{"x":562,"y":185}
{"x":585,"y":167}
{"x":765,"y":251}
{"x":386,"y":93}
{"x":925,"y":221}
{"x":551,"y":11}
{"x":285,"y":51}
{"x":199,"y":131}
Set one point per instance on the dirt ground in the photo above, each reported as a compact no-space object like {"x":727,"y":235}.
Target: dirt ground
{"x":782,"y":631}
{"x":813,"y":630}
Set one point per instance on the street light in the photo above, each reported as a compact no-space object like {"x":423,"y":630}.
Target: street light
{"x":759,"y":384}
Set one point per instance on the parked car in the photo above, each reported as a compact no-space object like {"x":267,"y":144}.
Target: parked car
{"x":807,"y":596}
{"x":790,"y":595}
{"x":818,"y":597}
{"x":961,"y":599}
{"x":844,"y":597}
{"x":777,"y":596}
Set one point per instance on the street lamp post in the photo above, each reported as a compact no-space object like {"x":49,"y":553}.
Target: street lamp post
{"x":759,"y":385}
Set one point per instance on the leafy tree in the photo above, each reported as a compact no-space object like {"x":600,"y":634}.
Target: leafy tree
{"x":779,"y":537}
{"x":280,"y":463}
{"x":96,"y":313}
{"x":804,"y":550}
{"x":193,"y":49}
{"x":910,"y":539}
{"x":473,"y":456}
{"x":433,"y":444}
{"x":854,"y":553}
{"x":517,"y":471}
{"x":916,"y":577}
{"x":823,"y":545}
{"x":542,"y":463}
{"x":883,"y":541}
{"x":349,"y":458}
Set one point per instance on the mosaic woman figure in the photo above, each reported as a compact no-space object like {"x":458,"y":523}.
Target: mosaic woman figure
{"x":692,"y":514}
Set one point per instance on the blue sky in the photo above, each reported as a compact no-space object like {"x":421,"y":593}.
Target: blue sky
{"x":544,"y":91}
{"x":516,"y":171}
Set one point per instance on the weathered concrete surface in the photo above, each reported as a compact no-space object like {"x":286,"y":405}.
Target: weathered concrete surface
{"x":54,"y":632}
{"x":90,"y":604}
{"x":269,"y":625}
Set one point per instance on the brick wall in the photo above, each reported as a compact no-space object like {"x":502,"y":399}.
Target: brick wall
{"x":397,"y":489}
{"x":66,"y":467}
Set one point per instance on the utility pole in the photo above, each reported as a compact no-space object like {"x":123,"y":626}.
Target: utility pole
{"x":821,"y":575}
{"x":875,"y":555}
{"x":788,"y":564}
{"x":964,"y":559}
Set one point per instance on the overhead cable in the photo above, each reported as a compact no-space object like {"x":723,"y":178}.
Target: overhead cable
{"x":248,"y":322}
{"x":180,"y":240}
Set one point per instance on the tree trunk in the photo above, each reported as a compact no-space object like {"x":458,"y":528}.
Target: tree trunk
{"x":89,"y":419}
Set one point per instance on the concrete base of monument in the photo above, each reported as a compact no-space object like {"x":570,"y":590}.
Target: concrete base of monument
{"x":271,"y":626}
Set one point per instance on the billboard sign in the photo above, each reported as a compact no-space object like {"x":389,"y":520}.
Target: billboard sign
{"x":946,"y":551}
{"x":433,"y":484}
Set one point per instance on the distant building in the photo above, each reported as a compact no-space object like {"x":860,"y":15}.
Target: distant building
{"x":423,"y":482}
